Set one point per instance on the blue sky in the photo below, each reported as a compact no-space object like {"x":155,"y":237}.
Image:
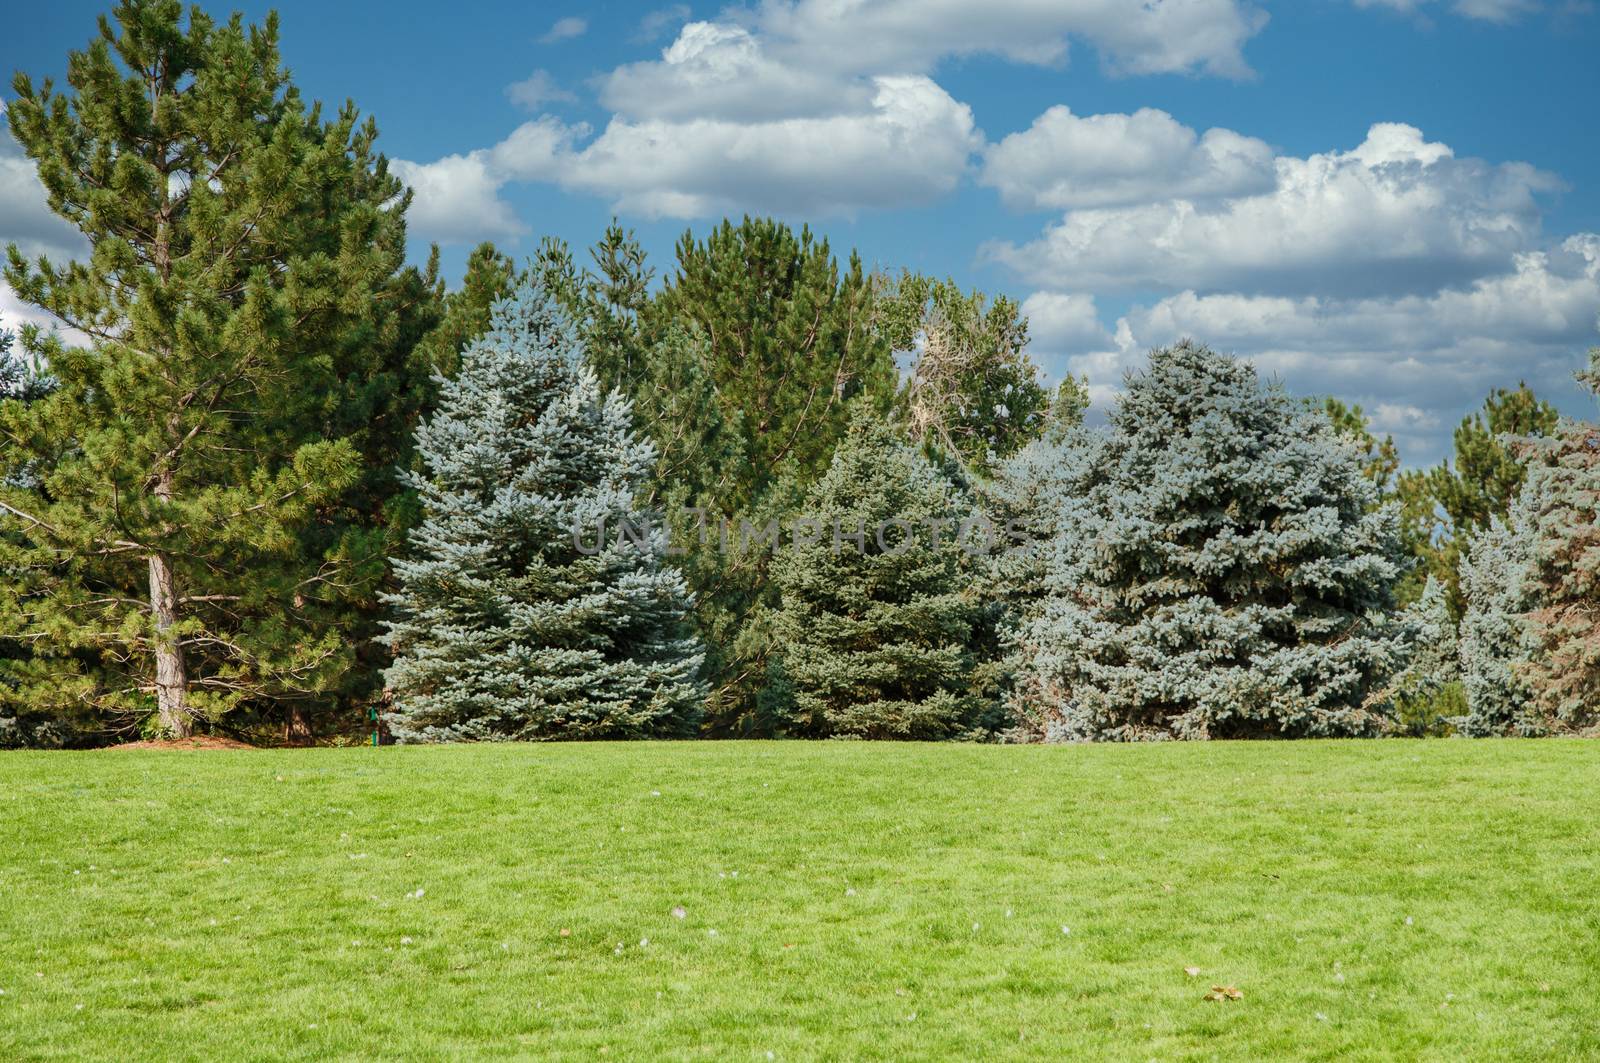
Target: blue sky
{"x":1396,"y":201}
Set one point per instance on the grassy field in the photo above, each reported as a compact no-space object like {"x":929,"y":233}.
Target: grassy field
{"x":803,"y":901}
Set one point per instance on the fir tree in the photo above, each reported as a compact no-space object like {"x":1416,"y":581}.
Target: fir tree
{"x":207,"y":528}
{"x":534,"y":603}
{"x":1223,"y":572}
{"x":874,"y":629}
{"x":663,"y":364}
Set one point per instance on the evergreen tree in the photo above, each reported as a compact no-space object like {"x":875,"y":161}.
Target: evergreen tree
{"x":1223,"y":572}
{"x":208,"y":525}
{"x":1428,"y":694}
{"x":24,"y":723}
{"x":1380,"y":458}
{"x":1025,"y":502}
{"x":874,"y":628}
{"x":1380,"y":461}
{"x":784,"y":342}
{"x":1563,"y":517}
{"x":792,"y":343}
{"x":663,"y":365}
{"x":1497,"y":640}
{"x":1067,"y":408}
{"x":489,"y":277}
{"x":534,"y":604}
{"x":1444,"y":507}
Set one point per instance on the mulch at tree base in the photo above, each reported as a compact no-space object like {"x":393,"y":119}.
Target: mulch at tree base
{"x":192,"y":742}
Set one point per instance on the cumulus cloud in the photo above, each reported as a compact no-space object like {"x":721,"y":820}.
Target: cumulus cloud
{"x":818,"y":106}
{"x":909,"y":143}
{"x":1397,"y":213}
{"x":1064,"y":321}
{"x":723,"y":71}
{"x":27,"y":221}
{"x":1067,"y":161}
{"x":1164,"y":36}
{"x":565,"y":29}
{"x":457,"y":200}
{"x":1415,"y":361}
{"x":25,"y":215}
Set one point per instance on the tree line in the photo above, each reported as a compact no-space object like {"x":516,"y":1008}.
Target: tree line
{"x":288,"y":481}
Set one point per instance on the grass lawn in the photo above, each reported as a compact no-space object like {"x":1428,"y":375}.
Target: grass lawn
{"x":838,"y":901}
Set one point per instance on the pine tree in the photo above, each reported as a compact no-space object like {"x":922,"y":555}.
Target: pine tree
{"x":1222,"y":573}
{"x":488,"y":277}
{"x":22,"y":723}
{"x":1380,"y":458}
{"x":791,"y":342}
{"x":789,"y":349}
{"x":208,"y":527}
{"x":1444,"y":507}
{"x":874,"y":629}
{"x":534,"y":603}
{"x":1497,"y":639}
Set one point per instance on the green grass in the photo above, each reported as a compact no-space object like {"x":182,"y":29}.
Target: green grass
{"x":842,"y":901}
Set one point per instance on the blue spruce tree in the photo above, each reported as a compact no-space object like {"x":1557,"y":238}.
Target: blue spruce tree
{"x":1428,"y":694}
{"x":1221,"y":571}
{"x":534,"y":602}
{"x":1497,"y":639}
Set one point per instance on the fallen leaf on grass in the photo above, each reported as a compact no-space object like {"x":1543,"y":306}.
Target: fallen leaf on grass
{"x":1192,"y":972}
{"x":1224,"y":992}
{"x":565,"y":932}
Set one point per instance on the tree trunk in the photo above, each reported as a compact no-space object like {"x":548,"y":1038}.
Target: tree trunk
{"x":172,"y":677}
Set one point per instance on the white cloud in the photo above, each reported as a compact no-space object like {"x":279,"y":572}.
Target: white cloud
{"x":817,"y":106}
{"x":457,"y":200}
{"x":27,"y":221}
{"x":565,"y":29}
{"x":910,"y":143}
{"x":1159,"y":36}
{"x":1502,"y":11}
{"x":1064,"y":321}
{"x":1415,"y":362}
{"x":723,"y":71}
{"x":1066,"y":161}
{"x":1396,"y":214}
{"x":537,"y":89}
{"x":25,"y":215}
